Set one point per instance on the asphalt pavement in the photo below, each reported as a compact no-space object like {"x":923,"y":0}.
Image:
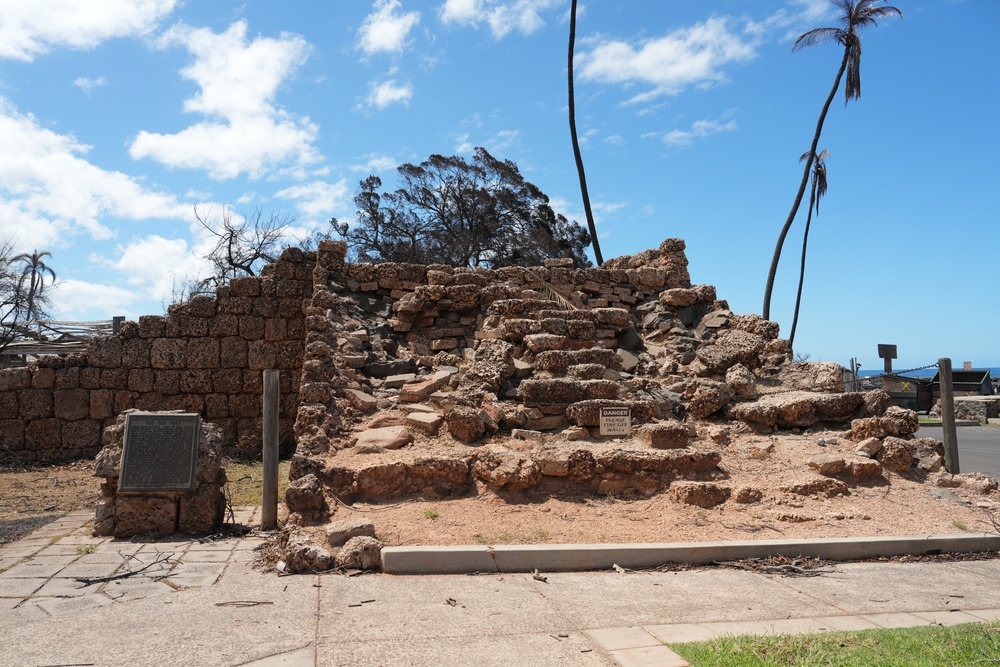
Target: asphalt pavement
{"x":68,"y":598}
{"x":978,"y":447}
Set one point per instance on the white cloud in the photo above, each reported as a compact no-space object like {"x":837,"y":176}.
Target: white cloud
{"x":317,"y":200}
{"x":245,"y":132}
{"x":574,"y":210}
{"x":76,"y":300}
{"x":88,"y":85}
{"x":692,"y":56}
{"x":48,"y":192}
{"x":385,"y":29}
{"x":375,"y":164}
{"x":502,"y":17}
{"x":614,"y":140}
{"x":32,"y":28}
{"x":155,"y":265}
{"x":607,"y":207}
{"x":699,"y":130}
{"x":389,"y":92}
{"x":462,"y":12}
{"x":498,"y":143}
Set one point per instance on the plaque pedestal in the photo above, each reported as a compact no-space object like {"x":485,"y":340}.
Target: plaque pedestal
{"x":197,"y":509}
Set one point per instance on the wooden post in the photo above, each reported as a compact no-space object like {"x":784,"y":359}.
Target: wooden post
{"x":269,"y":502}
{"x":948,"y":417}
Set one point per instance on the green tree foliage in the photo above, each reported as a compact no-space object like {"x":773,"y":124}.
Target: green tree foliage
{"x":450,"y":211}
{"x":854,"y":15}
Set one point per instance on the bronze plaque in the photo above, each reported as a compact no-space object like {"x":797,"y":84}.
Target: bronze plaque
{"x":160,"y":453}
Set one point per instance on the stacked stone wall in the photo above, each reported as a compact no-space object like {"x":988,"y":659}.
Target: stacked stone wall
{"x":438,"y":307}
{"x":206,"y":356}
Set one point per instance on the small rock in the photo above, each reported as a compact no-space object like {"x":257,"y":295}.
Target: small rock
{"x":387,"y":437}
{"x":339,"y":532}
{"x":361,"y":400}
{"x":360,"y":553}
{"x":896,"y":454}
{"x":427,"y":422}
{"x":827,"y":464}
{"x":465,"y":424}
{"x":702,"y":494}
{"x":748,"y":494}
{"x":869,"y":447}
{"x":305,"y":495}
{"x":978,"y":483}
{"x":668,"y":435}
{"x":397,"y":381}
{"x":302,"y":554}
{"x":628,"y":360}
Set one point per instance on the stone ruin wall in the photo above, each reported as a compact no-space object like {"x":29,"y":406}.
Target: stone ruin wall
{"x":439,"y":312}
{"x":205,"y":356}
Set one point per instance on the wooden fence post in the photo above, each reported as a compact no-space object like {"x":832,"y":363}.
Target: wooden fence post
{"x":269,"y":501}
{"x":948,"y":417}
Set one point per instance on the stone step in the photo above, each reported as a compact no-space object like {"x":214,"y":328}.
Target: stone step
{"x":557,"y":361}
{"x":622,"y":470}
{"x":565,"y":391}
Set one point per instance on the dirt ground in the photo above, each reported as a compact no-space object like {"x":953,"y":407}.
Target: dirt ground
{"x":898,"y":506}
{"x":32,"y":496}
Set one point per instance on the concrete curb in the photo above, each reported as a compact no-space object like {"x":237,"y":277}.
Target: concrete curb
{"x":583,"y":557}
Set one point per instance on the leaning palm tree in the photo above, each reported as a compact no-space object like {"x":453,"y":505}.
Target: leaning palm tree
{"x":34,"y":272}
{"x":815,"y":194}
{"x":854,"y":15}
{"x":576,"y":142}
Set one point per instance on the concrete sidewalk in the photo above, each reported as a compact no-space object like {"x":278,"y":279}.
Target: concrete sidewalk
{"x":206,"y":606}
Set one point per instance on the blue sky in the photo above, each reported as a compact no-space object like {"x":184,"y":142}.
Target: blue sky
{"x":118,"y":116}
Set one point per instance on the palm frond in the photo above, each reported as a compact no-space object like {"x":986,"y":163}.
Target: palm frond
{"x":852,"y":86}
{"x":818,"y":36}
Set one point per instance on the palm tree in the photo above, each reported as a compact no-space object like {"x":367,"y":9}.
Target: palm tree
{"x":815,"y":194}
{"x":854,"y":15}
{"x":34,"y":272}
{"x":576,"y":142}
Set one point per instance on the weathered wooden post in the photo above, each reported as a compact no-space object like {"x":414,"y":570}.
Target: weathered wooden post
{"x":269,"y":502}
{"x":948,"y":417}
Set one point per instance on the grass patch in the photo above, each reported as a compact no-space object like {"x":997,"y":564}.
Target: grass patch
{"x":507,"y":537}
{"x":502,"y":538}
{"x":961,"y":525}
{"x":86,"y":549}
{"x":245,"y":482}
{"x":431,"y":513}
{"x":933,"y":646}
{"x":537,"y":536}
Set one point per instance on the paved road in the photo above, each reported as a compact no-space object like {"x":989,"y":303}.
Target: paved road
{"x":978,"y":447}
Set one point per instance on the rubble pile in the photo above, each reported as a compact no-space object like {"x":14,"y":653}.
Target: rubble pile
{"x":437,"y":381}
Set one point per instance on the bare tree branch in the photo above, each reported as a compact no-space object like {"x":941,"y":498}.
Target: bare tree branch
{"x":243,"y":244}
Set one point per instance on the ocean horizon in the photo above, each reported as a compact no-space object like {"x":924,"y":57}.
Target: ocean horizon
{"x":927,"y":372}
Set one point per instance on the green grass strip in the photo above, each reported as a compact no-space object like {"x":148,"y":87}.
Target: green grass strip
{"x":969,"y":644}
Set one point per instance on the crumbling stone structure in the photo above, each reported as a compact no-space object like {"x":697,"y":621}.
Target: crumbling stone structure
{"x":414,"y":376}
{"x":402,"y":379}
